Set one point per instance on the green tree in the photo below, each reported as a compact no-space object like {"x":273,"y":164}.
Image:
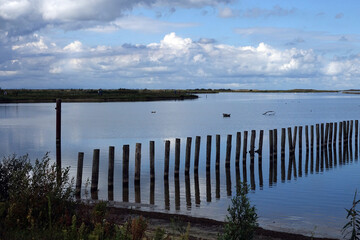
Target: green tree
{"x":241,"y":221}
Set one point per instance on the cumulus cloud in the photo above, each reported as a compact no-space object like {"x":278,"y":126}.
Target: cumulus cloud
{"x":262,"y":12}
{"x":227,"y":13}
{"x":18,"y":17}
{"x":173,"y":62}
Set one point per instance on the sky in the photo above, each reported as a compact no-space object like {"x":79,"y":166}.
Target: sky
{"x":180,"y":44}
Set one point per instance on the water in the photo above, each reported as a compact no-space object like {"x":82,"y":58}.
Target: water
{"x":312,"y":203}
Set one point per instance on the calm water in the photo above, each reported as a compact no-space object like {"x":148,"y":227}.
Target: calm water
{"x":313,"y":202}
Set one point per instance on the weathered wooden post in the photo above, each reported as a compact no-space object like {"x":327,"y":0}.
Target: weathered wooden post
{"x":208,"y":152}
{"x":228,"y":151}
{"x":271,"y":158}
{"x":312,"y":149}
{"x":290,"y":153}
{"x":217,"y":156}
{"x":177,"y":157}
{"x":340,"y":134}
{"x":238,"y":146}
{"x":126,"y":151}
{"x":228,"y":181}
{"x":275,"y":156}
{"x":197,"y":189}
{"x":166,"y":159}
{"x":261,"y":137}
{"x":351,"y":131}
{"x":58,"y":139}
{"x":152,"y":191}
{"x":137,"y":193}
{"x":177,"y":193}
{"x":326,"y":135}
{"x":217,"y":190}
{"x":79,"y":175}
{"x":245,"y":146}
{"x":252,"y":146}
{"x":95,"y":174}
{"x":111,"y":173}
{"x":300,"y":151}
{"x":331,"y":129}
{"x":208,"y":187}
{"x":356,"y":133}
{"x":166,"y":194}
{"x":188,"y":155}
{"x":152,"y":160}
{"x":322,"y":136}
{"x":137,"y":163}
{"x":335,"y":134}
{"x":283,"y":141}
{"x":317,"y":147}
{"x":197,"y":154}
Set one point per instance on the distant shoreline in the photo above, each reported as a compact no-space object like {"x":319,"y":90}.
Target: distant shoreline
{"x":129,"y":95}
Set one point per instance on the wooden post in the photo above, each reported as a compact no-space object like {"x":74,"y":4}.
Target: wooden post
{"x":79,"y":175}
{"x":228,"y":181}
{"x":58,"y":139}
{"x":351,"y":131}
{"x":283,"y":141}
{"x":197,"y":154}
{"x":166,"y":194}
{"x":228,"y":150}
{"x":340,"y":133}
{"x":312,"y":149}
{"x":326,"y":135}
{"x":245,"y":146}
{"x":137,"y":193}
{"x":95,"y":173}
{"x":331,"y":129}
{"x":217,"y":151}
{"x":300,"y":151}
{"x":317,"y":147}
{"x":197,"y":189}
{"x":152,"y":191}
{"x":252,"y":144}
{"x":322,"y":135}
{"x":217,"y":190}
{"x":152,"y":159}
{"x":126,"y":151}
{"x":177,"y":193}
{"x":137,"y":163}
{"x":335,"y":134}
{"x":208,"y":152}
{"x":307,"y":137}
{"x":111,"y":173}
{"x":188,"y":155}
{"x":275,"y":156}
{"x":208,"y":187}
{"x":166,"y":159}
{"x":238,"y":147}
{"x":356,"y":133}
{"x":291,"y":152}
{"x":177,"y":157}
{"x":271,"y":156}
{"x":187,"y":191}
{"x":261,"y":137}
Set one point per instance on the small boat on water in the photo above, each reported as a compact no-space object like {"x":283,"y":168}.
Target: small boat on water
{"x":226,"y":115}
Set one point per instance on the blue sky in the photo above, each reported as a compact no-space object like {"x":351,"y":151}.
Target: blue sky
{"x":157,"y":44}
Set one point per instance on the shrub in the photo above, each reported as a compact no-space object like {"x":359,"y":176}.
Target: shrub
{"x":241,"y":221}
{"x":353,"y":226}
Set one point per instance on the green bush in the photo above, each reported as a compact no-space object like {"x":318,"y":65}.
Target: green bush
{"x":353,"y":226}
{"x":241,"y":221}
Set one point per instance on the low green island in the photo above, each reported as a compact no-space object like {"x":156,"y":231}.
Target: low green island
{"x":128,"y":95}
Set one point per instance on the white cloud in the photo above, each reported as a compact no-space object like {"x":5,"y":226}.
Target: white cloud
{"x":182,"y":62}
{"x":227,"y":13}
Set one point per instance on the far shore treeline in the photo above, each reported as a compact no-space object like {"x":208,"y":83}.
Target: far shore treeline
{"x":120,"y":95}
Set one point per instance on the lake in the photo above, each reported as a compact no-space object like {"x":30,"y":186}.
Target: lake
{"x":309,"y":201}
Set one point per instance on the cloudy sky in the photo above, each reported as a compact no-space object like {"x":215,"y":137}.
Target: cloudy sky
{"x":262,"y":44}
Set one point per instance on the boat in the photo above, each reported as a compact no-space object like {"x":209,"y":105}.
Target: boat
{"x":226,"y":115}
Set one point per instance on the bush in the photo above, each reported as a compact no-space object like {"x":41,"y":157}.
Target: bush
{"x":241,"y":221}
{"x":353,"y":226}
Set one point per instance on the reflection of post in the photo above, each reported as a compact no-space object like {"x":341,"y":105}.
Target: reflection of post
{"x":79,"y":175}
{"x":300,"y":151}
{"x":197,"y":153}
{"x":208,"y":152}
{"x":177,"y":157}
{"x":137,"y":193}
{"x":228,"y":151}
{"x":274,"y":156}
{"x":208,"y":186}
{"x":208,"y":190}
{"x":188,"y":155}
{"x":340,"y":142}
{"x":252,"y":177}
{"x":237,"y":175}
{"x":238,"y":146}
{"x":283,"y":141}
{"x":228,"y":181}
{"x":331,"y":128}
{"x":293,"y":151}
{"x":312,"y":149}
{"x":152,"y":191}
{"x":197,"y":189}
{"x":187,"y":191}
{"x":177,"y":193}
{"x":166,"y":160}
{"x":166,"y":194}
{"x":95,"y":174}
{"x":317,"y":147}
{"x":322,"y":147}
{"x":271,"y":156}
{"x":111,"y":173}
{"x":326,"y":135}
{"x":330,"y":157}
{"x":125,"y":173}
{"x":217,"y":154}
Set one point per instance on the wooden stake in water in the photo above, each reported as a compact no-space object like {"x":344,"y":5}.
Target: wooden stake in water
{"x":245,"y":146}
{"x":137,"y":163}
{"x":177,"y":157}
{"x":283,"y":141}
{"x":111,"y":173}
{"x":166,"y":159}
{"x":188,"y":155}
{"x":228,"y":150}
{"x":238,"y":147}
{"x":79,"y":175}
{"x":58,"y":139}
{"x":126,"y":173}
{"x":95,"y":173}
{"x":217,"y":156}
{"x":208,"y":152}
{"x":152,"y":160}
{"x":197,"y":154}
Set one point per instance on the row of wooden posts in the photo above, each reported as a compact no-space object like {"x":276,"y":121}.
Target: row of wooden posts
{"x":326,"y":139}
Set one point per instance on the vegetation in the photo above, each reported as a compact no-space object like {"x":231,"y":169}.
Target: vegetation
{"x":34,"y":204}
{"x":352,"y":228}
{"x":91,"y":95}
{"x":241,"y":221}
